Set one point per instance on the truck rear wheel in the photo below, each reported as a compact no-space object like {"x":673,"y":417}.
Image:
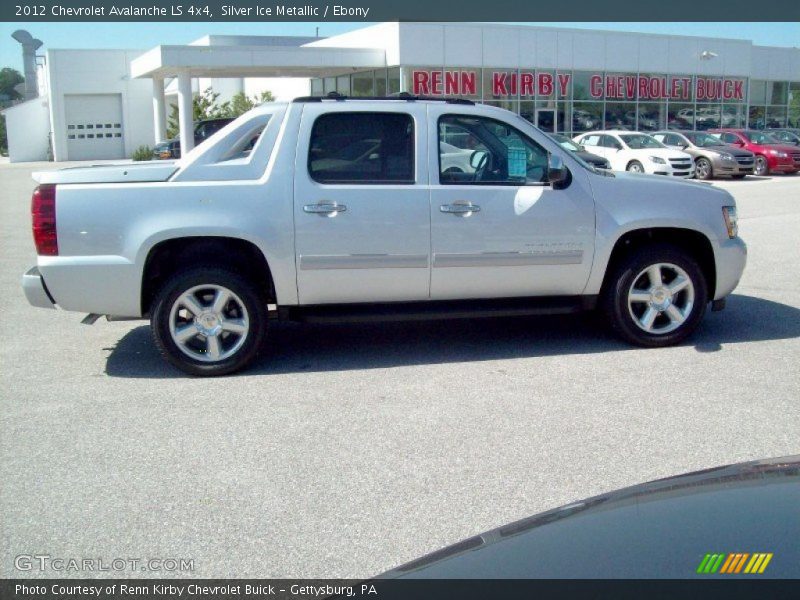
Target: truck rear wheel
{"x":656,"y":297}
{"x":209,"y":321}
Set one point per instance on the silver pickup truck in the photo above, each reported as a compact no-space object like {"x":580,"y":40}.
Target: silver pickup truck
{"x":381,"y":208}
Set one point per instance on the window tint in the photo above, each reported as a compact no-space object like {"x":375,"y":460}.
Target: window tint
{"x":362,"y":148}
{"x":591,"y":140}
{"x":481,"y":151}
{"x":608,"y":141}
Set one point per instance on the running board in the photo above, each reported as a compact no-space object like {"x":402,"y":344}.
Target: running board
{"x":439,"y":309}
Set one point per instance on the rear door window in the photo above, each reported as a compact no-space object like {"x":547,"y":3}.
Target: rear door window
{"x":362,"y":148}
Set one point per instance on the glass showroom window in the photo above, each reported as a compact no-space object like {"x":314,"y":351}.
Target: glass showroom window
{"x":500,"y":84}
{"x":380,"y":82}
{"x":794,"y":104}
{"x":758,"y":92}
{"x":512,"y":105}
{"x":581,"y":81}
{"x":757,"y":119}
{"x":708,"y":116}
{"x":733,"y":115}
{"x":776,"y":116}
{"x":363,"y":84}
{"x":343,"y":85}
{"x":393,"y":81}
{"x":652,"y":116}
{"x":587,"y":116}
{"x":620,"y":115}
{"x":777,"y":92}
{"x":317,"y":87}
{"x":680,"y":116}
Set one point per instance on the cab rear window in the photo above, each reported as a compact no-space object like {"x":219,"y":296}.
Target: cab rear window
{"x":362,"y":148}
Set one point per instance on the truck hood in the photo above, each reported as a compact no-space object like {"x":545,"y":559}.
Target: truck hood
{"x":114,"y":173}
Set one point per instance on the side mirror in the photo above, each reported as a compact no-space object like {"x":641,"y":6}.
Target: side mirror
{"x":476,"y":159}
{"x":557,"y":173}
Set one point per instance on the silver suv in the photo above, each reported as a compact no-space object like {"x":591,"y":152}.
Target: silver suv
{"x":398,"y":208}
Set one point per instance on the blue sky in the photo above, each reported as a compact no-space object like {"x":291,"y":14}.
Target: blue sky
{"x":147,"y":35}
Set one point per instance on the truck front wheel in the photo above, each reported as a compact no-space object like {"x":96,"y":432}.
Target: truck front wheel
{"x":209,"y":321}
{"x":656,"y":297}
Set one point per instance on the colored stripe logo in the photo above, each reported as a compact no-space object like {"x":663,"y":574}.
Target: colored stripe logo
{"x":734,"y":562}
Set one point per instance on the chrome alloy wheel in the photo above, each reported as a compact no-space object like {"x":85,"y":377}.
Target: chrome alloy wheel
{"x":208,"y":323}
{"x":661,"y":298}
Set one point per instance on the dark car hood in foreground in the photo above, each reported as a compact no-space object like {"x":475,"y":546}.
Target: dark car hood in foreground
{"x":660,"y":529}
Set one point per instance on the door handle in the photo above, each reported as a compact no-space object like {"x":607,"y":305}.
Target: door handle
{"x":460,"y":208}
{"x":324,"y":209}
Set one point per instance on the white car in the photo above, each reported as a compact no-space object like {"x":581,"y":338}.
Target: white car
{"x":637,"y":153}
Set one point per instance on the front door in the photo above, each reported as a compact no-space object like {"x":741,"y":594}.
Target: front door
{"x":362,"y":225}
{"x":546,"y":119}
{"x":498,"y":229}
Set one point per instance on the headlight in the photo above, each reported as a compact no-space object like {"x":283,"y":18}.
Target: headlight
{"x":778,"y":153}
{"x":731,"y":221}
{"x":657,"y":160}
{"x":725,"y":156}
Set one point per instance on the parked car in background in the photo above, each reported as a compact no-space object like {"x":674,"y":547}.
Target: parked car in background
{"x":787,"y":135}
{"x":712,"y":157}
{"x":592,"y":159}
{"x":210,"y":247}
{"x":637,"y":153}
{"x":202,"y":131}
{"x":772,"y":155}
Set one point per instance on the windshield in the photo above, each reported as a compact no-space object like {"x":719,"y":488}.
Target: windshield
{"x":760,"y":137}
{"x":704,"y":140}
{"x":566,"y":143}
{"x":639,"y":141}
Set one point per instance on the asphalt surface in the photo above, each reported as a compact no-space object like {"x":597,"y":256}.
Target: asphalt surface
{"x":349,"y":449}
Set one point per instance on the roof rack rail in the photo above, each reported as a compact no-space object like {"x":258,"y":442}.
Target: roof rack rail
{"x":401,"y":96}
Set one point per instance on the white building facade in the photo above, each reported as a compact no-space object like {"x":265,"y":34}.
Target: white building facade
{"x":105,"y":103}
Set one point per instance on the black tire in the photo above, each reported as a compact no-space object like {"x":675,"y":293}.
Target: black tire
{"x":739,"y":176}
{"x":256,"y":312}
{"x":762,"y":167}
{"x":704,"y":170}
{"x":614,"y":298}
{"x":635,"y":167}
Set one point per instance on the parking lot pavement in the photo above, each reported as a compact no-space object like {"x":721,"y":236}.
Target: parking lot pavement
{"x":349,"y":449}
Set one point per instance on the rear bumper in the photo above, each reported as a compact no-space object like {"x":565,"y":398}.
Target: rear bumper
{"x":731,"y":256}
{"x":35,"y":289}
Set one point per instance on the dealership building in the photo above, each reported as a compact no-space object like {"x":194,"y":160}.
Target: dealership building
{"x":97,"y":104}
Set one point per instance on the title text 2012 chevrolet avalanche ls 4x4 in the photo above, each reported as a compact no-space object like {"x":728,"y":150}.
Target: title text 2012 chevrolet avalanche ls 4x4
{"x":334,"y":208}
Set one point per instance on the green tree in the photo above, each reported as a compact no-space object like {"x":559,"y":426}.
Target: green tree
{"x":205,"y":105}
{"x":3,"y":136}
{"x":9,"y":79}
{"x":241,"y":103}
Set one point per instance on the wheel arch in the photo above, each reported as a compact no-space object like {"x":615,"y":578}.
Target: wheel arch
{"x":694,"y":242}
{"x":168,"y":256}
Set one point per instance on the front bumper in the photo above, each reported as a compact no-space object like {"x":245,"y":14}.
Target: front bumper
{"x":731,"y":257}
{"x":686,"y":172}
{"x":35,"y":289}
{"x":726,"y":167}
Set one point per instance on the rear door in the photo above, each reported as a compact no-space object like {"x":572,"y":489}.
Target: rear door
{"x":362,"y":203}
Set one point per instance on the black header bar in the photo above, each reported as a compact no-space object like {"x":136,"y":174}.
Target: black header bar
{"x":369,"y":11}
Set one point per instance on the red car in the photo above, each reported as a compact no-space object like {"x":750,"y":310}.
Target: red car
{"x":772,"y":155}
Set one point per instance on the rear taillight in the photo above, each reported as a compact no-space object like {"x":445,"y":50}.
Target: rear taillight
{"x":43,"y":212}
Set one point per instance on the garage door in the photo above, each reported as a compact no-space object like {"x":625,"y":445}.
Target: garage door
{"x":94,"y":126}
